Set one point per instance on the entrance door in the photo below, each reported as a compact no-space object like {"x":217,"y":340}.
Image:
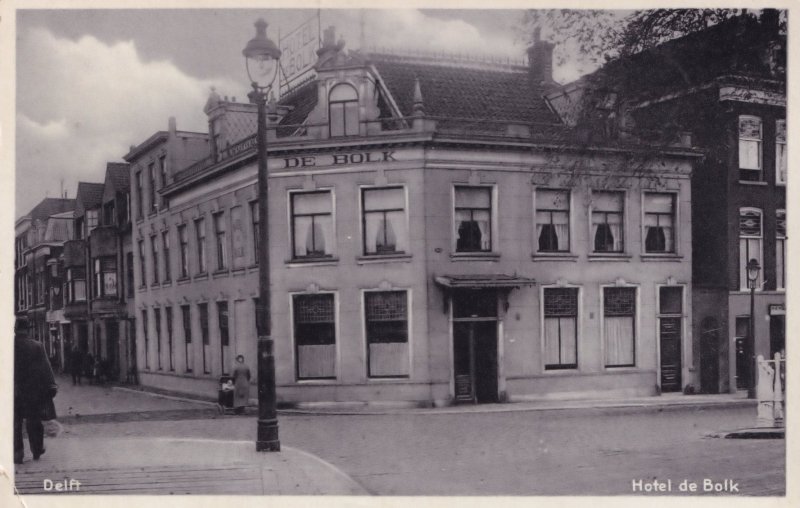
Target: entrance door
{"x":475,"y":346}
{"x":670,"y":335}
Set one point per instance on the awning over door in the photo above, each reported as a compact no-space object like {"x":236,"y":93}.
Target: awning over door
{"x":483,"y":281}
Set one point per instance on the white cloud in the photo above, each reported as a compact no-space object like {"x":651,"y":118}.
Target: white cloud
{"x":82,"y":103}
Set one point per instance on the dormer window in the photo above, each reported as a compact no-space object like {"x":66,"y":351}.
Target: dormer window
{"x":343,"y":114}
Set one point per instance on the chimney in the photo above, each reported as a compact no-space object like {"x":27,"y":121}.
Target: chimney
{"x":172,"y":125}
{"x":540,"y":60}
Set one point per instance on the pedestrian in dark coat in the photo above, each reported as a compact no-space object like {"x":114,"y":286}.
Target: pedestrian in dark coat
{"x":88,"y":367}
{"x":34,"y":389}
{"x":241,"y":383}
{"x":76,"y":365}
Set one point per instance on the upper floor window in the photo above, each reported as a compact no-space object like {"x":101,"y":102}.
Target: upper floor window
{"x":200,"y":230}
{"x":780,"y":249}
{"x":552,"y":220}
{"x":76,"y":284}
{"x":343,"y":105}
{"x":105,"y":276}
{"x":108,"y":214}
{"x":751,"y":227}
{"x":221,"y":242}
{"x":142,"y":265}
{"x":608,"y":209}
{"x":384,"y":221}
{"x":92,"y":219}
{"x":154,"y":252}
{"x":473,"y":219}
{"x":312,"y":224}
{"x":162,"y":165}
{"x":750,"y":135}
{"x":167,"y":268}
{"x":79,"y":225}
{"x":659,"y":222}
{"x":151,"y":169}
{"x":780,"y":152}
{"x":139,"y":194}
{"x":183,"y":238}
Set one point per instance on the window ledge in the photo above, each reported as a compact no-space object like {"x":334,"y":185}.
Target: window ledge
{"x":610,"y":256}
{"x":220,"y":273}
{"x":238,"y":271}
{"x":166,"y":284}
{"x":554,"y":256}
{"x":321,"y":381}
{"x":748,"y":182}
{"x":183,"y":280}
{"x":670,"y":256}
{"x":382,"y":258}
{"x":201,"y":276}
{"x":474,"y":256}
{"x":327,"y":261}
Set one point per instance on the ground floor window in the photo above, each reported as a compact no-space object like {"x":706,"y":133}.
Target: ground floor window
{"x":146,"y":340}
{"x":157,"y":320}
{"x":187,"y":337}
{"x":315,"y":336}
{"x":386,"y":316}
{"x":619,"y":326}
{"x":202,"y":308}
{"x":560,"y":328}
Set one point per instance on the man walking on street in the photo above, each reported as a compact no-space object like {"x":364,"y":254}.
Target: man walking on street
{"x":76,"y":365}
{"x":34,"y":388}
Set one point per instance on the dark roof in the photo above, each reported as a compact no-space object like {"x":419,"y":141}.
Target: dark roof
{"x":51,"y":206}
{"x":90,"y":194}
{"x":502,"y":94}
{"x":303,"y":99}
{"x":119,"y":174}
{"x":736,"y":46}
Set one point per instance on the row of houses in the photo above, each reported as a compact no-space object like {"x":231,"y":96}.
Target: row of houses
{"x":447,"y":230}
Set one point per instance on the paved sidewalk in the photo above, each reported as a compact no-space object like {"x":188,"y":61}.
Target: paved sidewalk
{"x":179,"y":466}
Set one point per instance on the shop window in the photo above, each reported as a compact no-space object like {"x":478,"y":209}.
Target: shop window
{"x":552,"y":220}
{"x":312,"y":224}
{"x":608,"y":210}
{"x":473,"y":219}
{"x":154,"y":256}
{"x":560,"y":328}
{"x":750,"y":135}
{"x":105,"y":276}
{"x":619,"y":326}
{"x":659,"y":223}
{"x":202,"y":308}
{"x":750,"y":244}
{"x":315,"y":336}
{"x":343,"y":104}
{"x":186,"y":316}
{"x":200,"y":231}
{"x":183,"y":238}
{"x":384,"y":221}
{"x":220,"y":239}
{"x":386,"y":315}
{"x":780,"y":249}
{"x":780,"y":152}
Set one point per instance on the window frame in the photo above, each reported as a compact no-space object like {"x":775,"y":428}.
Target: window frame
{"x":493,"y":226}
{"x":188,"y":346}
{"x":200,"y":244}
{"x":570,"y":221}
{"x":675,"y":223}
{"x":363,"y":190}
{"x":344,"y":110}
{"x":336,"y":332}
{"x":332,"y":251}
{"x":636,"y":325}
{"x":742,"y":271}
{"x":98,"y":274}
{"x":166,"y":256}
{"x":220,"y":226}
{"x":759,"y":171}
{"x":183,"y":242}
{"x":142,"y":265}
{"x":778,"y":143}
{"x":154,"y":253}
{"x":365,"y":332}
{"x":555,"y":368}
{"x":780,"y":251}
{"x":623,"y":222}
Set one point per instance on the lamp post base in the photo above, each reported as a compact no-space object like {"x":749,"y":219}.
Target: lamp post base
{"x":267,"y":440}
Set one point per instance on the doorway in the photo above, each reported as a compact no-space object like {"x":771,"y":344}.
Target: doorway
{"x":670,"y":335}
{"x":475,"y":356}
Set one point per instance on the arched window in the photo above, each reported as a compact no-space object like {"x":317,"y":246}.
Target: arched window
{"x":343,"y":111}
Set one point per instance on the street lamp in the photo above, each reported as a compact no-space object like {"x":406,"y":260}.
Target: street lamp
{"x":753,"y":268}
{"x":261,"y":60}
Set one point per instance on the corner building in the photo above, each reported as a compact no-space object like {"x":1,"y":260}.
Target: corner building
{"x":436,"y":235}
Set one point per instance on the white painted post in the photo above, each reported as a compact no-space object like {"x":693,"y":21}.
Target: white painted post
{"x":778,"y":393}
{"x":764,"y":393}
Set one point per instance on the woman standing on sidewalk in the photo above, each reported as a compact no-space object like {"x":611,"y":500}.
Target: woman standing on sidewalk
{"x":241,"y":382}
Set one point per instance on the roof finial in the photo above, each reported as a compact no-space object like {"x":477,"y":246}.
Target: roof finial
{"x":419,"y":106}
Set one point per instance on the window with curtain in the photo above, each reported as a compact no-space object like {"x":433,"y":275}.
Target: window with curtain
{"x":751,"y":227}
{"x":552,"y":220}
{"x":659,"y":222}
{"x":220,"y":237}
{"x":315,"y":336}
{"x":608,"y":210}
{"x":619,"y":326}
{"x":200,"y":232}
{"x":560,"y":328}
{"x":343,"y":110}
{"x":384,"y":221}
{"x":312,"y":224}
{"x":386,"y":315}
{"x":750,"y":136}
{"x":154,"y":252}
{"x":183,"y":238}
{"x":780,"y":249}
{"x":105,"y":276}
{"x":187,"y":337}
{"x":473,"y":219}
{"x":780,"y":152}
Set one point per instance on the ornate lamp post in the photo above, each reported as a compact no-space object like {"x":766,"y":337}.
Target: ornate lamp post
{"x":261,"y":58}
{"x":753,"y":268}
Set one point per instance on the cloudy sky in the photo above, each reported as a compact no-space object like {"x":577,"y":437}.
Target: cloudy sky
{"x":90,"y":83}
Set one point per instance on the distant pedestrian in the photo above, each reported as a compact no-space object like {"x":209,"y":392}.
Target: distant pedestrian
{"x":88,"y":367}
{"x":34,"y":389}
{"x":76,"y":365}
{"x":241,"y":382}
